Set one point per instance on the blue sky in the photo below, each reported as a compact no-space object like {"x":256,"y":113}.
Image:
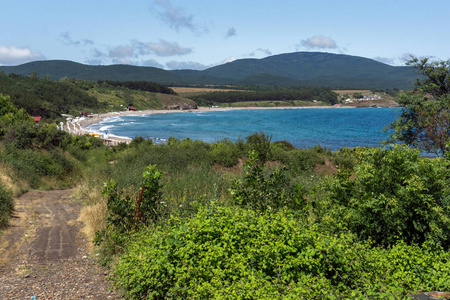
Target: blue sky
{"x":197,"y":34}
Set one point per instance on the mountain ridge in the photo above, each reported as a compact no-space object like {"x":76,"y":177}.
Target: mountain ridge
{"x":297,"y":68}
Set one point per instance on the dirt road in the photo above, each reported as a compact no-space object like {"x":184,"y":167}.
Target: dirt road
{"x":44,"y":254}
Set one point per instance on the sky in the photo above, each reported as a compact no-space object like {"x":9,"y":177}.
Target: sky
{"x":198,"y":34}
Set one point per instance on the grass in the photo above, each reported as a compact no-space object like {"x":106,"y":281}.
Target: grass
{"x":119,"y":99}
{"x":16,"y":186}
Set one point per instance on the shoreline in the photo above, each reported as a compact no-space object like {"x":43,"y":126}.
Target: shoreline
{"x":79,"y":126}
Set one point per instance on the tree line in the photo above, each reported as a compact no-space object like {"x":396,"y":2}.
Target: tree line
{"x":145,"y":86}
{"x":323,"y":94}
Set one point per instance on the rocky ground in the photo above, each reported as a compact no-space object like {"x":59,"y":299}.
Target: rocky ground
{"x":44,"y":254}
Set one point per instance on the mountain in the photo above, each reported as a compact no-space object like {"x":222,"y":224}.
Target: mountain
{"x":57,"y":69}
{"x":298,"y":68}
{"x":317,"y":68}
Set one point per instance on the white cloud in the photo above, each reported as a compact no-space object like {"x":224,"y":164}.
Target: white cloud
{"x":319,"y":42}
{"x":395,"y":61}
{"x":385,"y":60}
{"x":13,"y":55}
{"x":123,"y":61}
{"x":162,"y":48}
{"x":152,"y":63}
{"x":231,"y":32}
{"x":97,"y":57}
{"x":67,"y":39}
{"x":182,"y":65}
{"x":137,"y":53}
{"x":227,"y":60}
{"x":177,"y":18}
{"x":94,"y":61}
{"x":121,"y":52}
{"x":260,"y":50}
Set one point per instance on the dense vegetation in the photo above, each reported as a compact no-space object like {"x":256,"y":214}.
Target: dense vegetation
{"x":140,"y":86}
{"x":278,"y":228}
{"x":49,"y":99}
{"x":283,"y":94}
{"x":425,"y":118}
{"x":46,"y":98}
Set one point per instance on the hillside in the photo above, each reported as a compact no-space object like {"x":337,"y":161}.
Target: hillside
{"x":49,"y":99}
{"x":57,"y":69}
{"x":299,"y":69}
{"x":314,"y":68}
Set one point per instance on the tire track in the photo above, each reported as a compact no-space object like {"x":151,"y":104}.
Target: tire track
{"x":44,"y":254}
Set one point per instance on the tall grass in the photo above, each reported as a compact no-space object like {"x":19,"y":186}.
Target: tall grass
{"x":6,"y":205}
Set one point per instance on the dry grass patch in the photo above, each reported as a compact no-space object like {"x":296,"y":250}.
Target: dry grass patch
{"x":94,"y":212}
{"x":17,"y":187}
{"x":94,"y":219}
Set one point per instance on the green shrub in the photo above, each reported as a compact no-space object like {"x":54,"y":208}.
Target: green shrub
{"x":261,"y":143}
{"x":225,"y":153}
{"x":392,"y":194}
{"x":127,"y":214}
{"x":78,"y":153}
{"x":21,"y":136}
{"x":260,"y":190}
{"x":84,"y":142}
{"x":234,"y":253}
{"x":137,"y":141}
{"x":124,"y":213}
{"x":34,"y":165}
{"x":6,"y":206}
{"x":50,"y":136}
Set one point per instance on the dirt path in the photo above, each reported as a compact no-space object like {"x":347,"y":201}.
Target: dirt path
{"x":44,"y":254}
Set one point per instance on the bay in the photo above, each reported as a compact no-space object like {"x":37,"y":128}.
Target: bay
{"x":332,"y":128}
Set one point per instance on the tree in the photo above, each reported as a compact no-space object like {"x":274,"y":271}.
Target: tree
{"x":357,"y":95}
{"x":393,"y":194}
{"x":424,"y":121}
{"x":10,"y":115}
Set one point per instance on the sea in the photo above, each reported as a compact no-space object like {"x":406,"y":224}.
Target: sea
{"x":332,"y":128}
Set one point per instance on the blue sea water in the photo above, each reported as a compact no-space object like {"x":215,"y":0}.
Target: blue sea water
{"x":332,"y":128}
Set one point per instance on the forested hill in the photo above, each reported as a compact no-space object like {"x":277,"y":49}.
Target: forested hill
{"x":46,"y":98}
{"x":299,"y":68}
{"x":57,"y":69}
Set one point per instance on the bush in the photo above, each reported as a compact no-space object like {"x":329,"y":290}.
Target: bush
{"x":6,"y":206}
{"x":21,"y":136}
{"x":261,"y":143}
{"x":225,"y":153}
{"x":126,"y":214}
{"x":34,"y":165}
{"x":50,"y":136}
{"x":234,"y":253}
{"x":261,"y":191}
{"x":392,"y":194}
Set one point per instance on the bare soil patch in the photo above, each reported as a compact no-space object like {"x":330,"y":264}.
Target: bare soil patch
{"x":44,"y":254}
